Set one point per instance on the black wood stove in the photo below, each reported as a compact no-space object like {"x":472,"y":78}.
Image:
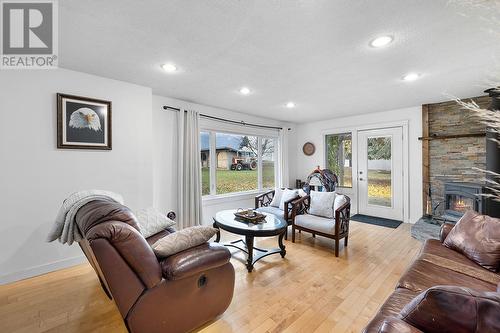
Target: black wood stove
{"x":461,"y":197}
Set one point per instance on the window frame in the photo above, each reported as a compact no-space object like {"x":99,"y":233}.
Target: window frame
{"x":212,"y":132}
{"x":325,"y":153}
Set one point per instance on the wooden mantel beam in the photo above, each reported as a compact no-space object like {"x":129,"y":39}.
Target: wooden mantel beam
{"x":444,"y":137}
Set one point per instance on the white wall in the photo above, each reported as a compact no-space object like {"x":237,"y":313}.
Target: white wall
{"x":35,"y":176}
{"x":164,"y":156}
{"x":164,"y":137}
{"x":314,"y":132}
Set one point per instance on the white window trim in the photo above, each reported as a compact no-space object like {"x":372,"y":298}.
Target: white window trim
{"x":221,"y":198}
{"x":207,"y":127}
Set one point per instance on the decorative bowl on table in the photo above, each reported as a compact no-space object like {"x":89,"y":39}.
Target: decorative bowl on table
{"x":249,"y":215}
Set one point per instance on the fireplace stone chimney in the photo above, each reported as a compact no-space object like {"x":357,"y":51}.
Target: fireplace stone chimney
{"x":493,"y":152}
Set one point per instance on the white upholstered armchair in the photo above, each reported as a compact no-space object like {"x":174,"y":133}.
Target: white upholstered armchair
{"x":334,"y":227}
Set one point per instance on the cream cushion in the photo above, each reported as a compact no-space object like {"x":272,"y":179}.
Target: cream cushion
{"x":322,"y":204}
{"x":151,"y":221}
{"x":316,"y":223}
{"x":340,"y":199}
{"x":182,"y":240}
{"x":302,"y":193}
{"x":287,"y":195}
{"x":273,"y":210}
{"x":278,"y":193}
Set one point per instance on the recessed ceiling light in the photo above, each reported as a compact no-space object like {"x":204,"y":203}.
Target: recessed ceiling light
{"x":290,"y":105}
{"x":169,"y":68}
{"x":244,"y":90}
{"x":381,"y":41}
{"x":411,"y":77}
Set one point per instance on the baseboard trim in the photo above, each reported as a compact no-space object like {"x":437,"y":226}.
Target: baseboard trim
{"x":41,"y":269}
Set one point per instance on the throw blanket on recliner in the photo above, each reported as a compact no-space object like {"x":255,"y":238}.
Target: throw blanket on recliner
{"x":65,"y":228}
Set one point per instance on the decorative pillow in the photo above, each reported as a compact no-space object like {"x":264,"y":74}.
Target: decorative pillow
{"x":302,"y":193}
{"x":453,"y":309}
{"x":478,"y":238}
{"x":151,"y":221}
{"x":322,"y":203}
{"x":182,"y":240}
{"x":340,"y":199}
{"x":278,"y":193}
{"x":287,"y":195}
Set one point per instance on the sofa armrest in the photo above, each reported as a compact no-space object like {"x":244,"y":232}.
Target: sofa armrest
{"x":288,"y":207}
{"x":300,"y":206}
{"x":342,"y":218}
{"x":453,"y":309}
{"x":264,"y":199}
{"x":195,"y":260}
{"x":445,"y":230}
{"x":395,"y":325}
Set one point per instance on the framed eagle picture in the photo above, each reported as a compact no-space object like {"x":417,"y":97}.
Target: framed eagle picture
{"x":83,"y":123}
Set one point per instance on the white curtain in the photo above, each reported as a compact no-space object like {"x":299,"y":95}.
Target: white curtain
{"x":189,"y":169}
{"x":283,"y":176}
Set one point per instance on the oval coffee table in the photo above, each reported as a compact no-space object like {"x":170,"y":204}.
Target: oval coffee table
{"x":272,"y":226}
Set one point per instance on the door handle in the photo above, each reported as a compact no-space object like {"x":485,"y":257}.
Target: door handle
{"x":361,"y":179}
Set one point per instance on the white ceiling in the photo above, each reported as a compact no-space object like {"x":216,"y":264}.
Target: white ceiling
{"x":314,"y":53}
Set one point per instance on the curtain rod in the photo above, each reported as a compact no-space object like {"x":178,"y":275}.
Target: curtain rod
{"x":166,"y":107}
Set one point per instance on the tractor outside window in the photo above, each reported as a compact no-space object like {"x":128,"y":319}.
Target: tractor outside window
{"x":241,"y":163}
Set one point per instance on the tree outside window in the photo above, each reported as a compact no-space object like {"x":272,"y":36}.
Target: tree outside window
{"x":339,"y":157}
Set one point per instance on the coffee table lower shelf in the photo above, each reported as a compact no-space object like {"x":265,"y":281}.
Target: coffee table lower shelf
{"x":257,"y":253}
{"x":254,"y":254}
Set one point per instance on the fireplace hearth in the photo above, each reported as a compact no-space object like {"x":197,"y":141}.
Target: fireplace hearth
{"x":461,"y":197}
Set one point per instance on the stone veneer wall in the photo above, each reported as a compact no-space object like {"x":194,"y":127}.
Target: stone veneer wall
{"x":454,"y":159}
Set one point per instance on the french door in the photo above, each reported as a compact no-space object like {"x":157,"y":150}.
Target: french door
{"x":380,"y":173}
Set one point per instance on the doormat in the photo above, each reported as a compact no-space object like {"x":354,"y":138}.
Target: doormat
{"x":376,"y":221}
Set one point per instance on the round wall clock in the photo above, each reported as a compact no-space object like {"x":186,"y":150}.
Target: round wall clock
{"x":308,"y":148}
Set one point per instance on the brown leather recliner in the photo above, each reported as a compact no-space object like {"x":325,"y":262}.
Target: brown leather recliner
{"x":176,"y":294}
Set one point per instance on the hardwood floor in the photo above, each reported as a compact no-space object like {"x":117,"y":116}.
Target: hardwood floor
{"x":309,"y":291}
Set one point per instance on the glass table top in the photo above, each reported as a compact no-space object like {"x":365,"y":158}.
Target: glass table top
{"x":227,"y":218}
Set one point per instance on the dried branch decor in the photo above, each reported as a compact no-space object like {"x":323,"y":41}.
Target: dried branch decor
{"x":491,"y":119}
{"x":490,"y":19}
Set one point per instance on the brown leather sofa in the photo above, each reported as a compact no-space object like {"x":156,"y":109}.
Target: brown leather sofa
{"x":438,"y":267}
{"x":176,"y":294}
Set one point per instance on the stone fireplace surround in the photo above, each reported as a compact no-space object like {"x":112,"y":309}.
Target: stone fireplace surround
{"x":454,"y":159}
{"x":453,"y":154}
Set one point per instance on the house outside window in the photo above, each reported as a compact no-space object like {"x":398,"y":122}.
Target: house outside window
{"x":242,"y":163}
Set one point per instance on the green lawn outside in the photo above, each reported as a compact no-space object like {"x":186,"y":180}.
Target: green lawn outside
{"x":379,"y":186}
{"x":229,"y":181}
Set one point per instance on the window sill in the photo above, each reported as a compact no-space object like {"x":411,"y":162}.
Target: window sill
{"x":221,"y":198}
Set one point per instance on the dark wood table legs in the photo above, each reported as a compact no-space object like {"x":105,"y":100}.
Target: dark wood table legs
{"x":254,"y":254}
{"x":281,"y":245}
{"x":217,"y":237}
{"x":249,"y":245}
